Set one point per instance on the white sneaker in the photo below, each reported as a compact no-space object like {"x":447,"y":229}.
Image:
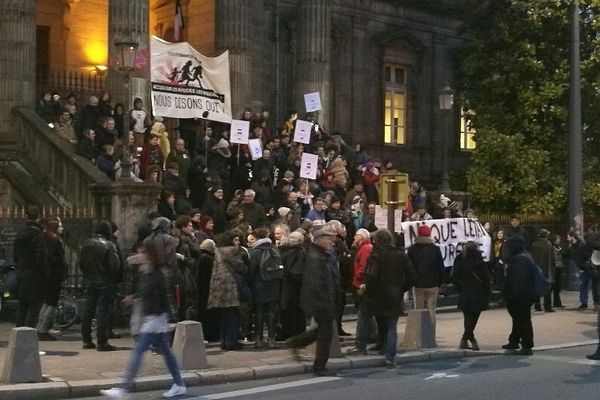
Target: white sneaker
{"x":175,"y":390}
{"x":115,"y":393}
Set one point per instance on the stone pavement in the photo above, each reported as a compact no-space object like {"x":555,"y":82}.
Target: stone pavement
{"x":77,"y":372}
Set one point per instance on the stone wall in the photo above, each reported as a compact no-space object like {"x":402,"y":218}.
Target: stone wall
{"x":78,"y":32}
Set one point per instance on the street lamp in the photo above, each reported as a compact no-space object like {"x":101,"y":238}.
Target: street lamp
{"x":127,"y":50}
{"x":446,"y":97}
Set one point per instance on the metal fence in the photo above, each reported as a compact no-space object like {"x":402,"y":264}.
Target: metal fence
{"x":77,"y":224}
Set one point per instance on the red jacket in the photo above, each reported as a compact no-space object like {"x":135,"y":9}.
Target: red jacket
{"x":360,"y":263}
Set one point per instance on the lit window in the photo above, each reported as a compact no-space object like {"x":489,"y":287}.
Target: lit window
{"x":394,"y":105}
{"x":467,"y":132}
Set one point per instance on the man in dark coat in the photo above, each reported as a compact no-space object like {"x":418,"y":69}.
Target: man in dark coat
{"x":543,"y":255}
{"x":254,"y":213}
{"x":319,"y":295}
{"x":518,"y":293}
{"x":429,"y":264}
{"x":390,"y":273}
{"x":32,"y":268}
{"x":101,"y":267}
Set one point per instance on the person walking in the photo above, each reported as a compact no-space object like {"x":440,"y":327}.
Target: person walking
{"x":429,"y":264}
{"x":518,"y":292}
{"x":319,"y":295}
{"x":390,"y":274}
{"x":153,"y":330}
{"x":32,"y":268}
{"x":471,"y":277}
{"x":100,"y":264}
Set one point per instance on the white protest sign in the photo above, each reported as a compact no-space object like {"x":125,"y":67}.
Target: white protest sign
{"x":302,"y":131}
{"x":450,"y":235}
{"x":187,"y":84}
{"x":255,"y":148}
{"x":312,"y":102}
{"x":308,"y":166}
{"x":381,"y":218}
{"x":240,"y":131}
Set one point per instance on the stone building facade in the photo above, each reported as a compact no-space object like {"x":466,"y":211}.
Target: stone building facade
{"x":378,"y":64}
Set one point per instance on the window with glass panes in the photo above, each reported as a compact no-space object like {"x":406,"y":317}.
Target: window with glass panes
{"x":395,"y":105}
{"x":467,"y":133}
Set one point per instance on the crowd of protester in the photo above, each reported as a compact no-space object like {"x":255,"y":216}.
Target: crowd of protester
{"x":235,"y":236}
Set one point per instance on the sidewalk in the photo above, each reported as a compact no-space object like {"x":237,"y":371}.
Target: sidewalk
{"x":77,"y":372}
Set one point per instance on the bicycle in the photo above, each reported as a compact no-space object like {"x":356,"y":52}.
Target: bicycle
{"x":66,"y":312}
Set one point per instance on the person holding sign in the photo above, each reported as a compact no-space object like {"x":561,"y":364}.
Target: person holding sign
{"x":429,"y":264}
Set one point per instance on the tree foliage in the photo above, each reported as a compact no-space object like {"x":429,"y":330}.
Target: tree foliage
{"x":514,"y":76}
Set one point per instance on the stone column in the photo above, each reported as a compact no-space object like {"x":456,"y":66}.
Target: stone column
{"x":233,"y":34}
{"x":17,"y":61}
{"x":129,"y":19}
{"x":314,"y":56}
{"x":127,"y":205}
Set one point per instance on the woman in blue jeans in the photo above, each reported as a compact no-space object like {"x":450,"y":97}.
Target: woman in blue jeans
{"x":390,"y":273}
{"x":152,"y":292}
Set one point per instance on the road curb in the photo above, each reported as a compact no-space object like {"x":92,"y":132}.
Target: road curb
{"x":57,"y":388}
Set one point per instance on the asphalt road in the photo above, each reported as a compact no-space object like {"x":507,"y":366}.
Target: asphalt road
{"x":555,"y":374}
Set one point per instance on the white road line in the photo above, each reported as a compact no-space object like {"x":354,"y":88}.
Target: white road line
{"x":262,"y":389}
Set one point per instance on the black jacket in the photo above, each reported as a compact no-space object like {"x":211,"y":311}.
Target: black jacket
{"x":99,"y":260}
{"x":428,"y":262}
{"x":293,"y":258}
{"x":471,"y":277}
{"x":321,"y":290}
{"x":152,"y":291}
{"x":390,"y":273}
{"x":31,"y":254}
{"x":216,"y":209}
{"x":520,"y":272}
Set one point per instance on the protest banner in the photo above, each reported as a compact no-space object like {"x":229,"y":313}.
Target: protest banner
{"x":187,"y":84}
{"x":312,"y":102}
{"x":255,"y":148}
{"x":302,"y":131}
{"x":450,"y":235}
{"x":308,"y":166}
{"x":240,"y":131}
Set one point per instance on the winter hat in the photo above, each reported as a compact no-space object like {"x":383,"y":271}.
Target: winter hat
{"x":283,"y":211}
{"x":364,"y":233}
{"x":369,"y":165}
{"x":324,"y":230}
{"x":208,"y":245}
{"x":543,"y":233}
{"x":222,"y":147}
{"x":204,"y":220}
{"x":424,"y":230}
{"x":356,"y":199}
{"x":289,"y":175}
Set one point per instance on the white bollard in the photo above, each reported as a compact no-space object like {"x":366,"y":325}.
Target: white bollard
{"x":188,"y":345}
{"x":22,"y":363}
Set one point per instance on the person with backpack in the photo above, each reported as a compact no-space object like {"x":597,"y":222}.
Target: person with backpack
{"x":267,"y":271}
{"x":519,"y":293}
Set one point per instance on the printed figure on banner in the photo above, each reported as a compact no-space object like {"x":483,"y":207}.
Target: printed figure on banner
{"x":240,"y":131}
{"x":308,"y":166}
{"x":302,"y":131}
{"x":312,"y":102}
{"x":187,"y":84}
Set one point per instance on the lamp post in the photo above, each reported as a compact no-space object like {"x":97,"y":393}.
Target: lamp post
{"x":446,"y":97}
{"x":127,"y":51}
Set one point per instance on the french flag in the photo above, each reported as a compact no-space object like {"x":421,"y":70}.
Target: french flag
{"x":179,"y":24}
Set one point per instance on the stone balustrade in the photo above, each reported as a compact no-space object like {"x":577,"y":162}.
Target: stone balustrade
{"x":67,"y":176}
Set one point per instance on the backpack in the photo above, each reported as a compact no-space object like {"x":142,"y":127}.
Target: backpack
{"x":541,"y":285}
{"x":271,"y":266}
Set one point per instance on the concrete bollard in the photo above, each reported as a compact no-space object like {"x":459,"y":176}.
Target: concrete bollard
{"x":420,"y":332}
{"x":335,"y":350}
{"x":22,"y":363}
{"x":188,"y":345}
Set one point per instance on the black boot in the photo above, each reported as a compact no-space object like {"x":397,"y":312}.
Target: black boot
{"x":595,"y":356}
